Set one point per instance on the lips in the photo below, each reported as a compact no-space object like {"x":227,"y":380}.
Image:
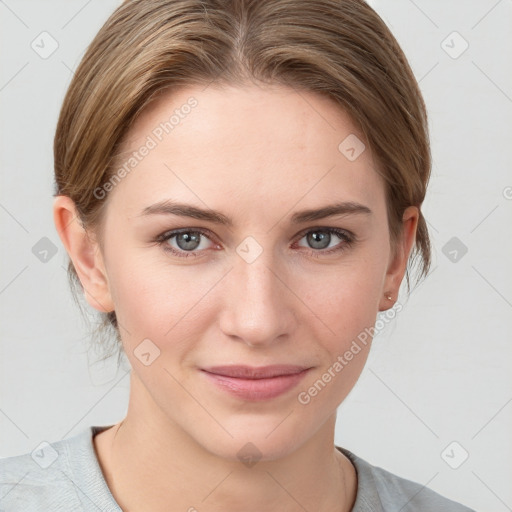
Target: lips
{"x":255,"y":383}
{"x":253,"y":372}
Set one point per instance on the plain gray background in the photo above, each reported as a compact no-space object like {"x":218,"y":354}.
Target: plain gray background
{"x":437,"y":386}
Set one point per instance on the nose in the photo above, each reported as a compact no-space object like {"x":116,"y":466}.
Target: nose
{"x":259,"y":308}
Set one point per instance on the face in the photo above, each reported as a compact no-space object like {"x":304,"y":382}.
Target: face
{"x":257,"y":285}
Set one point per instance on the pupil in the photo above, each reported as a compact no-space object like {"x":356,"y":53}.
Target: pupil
{"x":320,"y":237}
{"x":187,"y":241}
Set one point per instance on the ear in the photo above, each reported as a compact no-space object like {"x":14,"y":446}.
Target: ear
{"x":84,"y":252}
{"x":398,"y":264}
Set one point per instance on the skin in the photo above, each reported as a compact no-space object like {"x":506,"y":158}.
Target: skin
{"x":258,"y":154}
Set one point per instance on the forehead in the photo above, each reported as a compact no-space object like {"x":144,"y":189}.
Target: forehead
{"x":261,"y":145}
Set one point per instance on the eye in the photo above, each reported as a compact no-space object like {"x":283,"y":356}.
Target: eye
{"x":320,"y":239}
{"x":187,"y":242}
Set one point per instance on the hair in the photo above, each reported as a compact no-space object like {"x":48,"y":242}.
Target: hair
{"x":340,"y":49}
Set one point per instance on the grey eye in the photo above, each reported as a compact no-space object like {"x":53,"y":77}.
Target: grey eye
{"x":319,"y":239}
{"x":188,"y":240}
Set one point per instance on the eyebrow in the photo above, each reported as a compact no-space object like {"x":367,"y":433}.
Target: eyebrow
{"x":169,"y":207}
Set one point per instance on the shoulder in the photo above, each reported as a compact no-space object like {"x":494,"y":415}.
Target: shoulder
{"x":379,"y":490}
{"x":57,"y":476}
{"x":37,"y":481}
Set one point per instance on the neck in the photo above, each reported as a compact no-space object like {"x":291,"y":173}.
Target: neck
{"x":149,"y":462}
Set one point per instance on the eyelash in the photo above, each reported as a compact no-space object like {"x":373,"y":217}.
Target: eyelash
{"x":348,"y":238}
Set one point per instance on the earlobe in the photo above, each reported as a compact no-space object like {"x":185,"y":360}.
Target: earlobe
{"x":398,"y":264}
{"x":84,"y":252}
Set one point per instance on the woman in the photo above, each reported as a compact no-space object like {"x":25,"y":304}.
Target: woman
{"x":239,"y":188}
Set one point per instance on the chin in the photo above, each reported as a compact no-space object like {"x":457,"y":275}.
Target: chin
{"x":253,"y":441}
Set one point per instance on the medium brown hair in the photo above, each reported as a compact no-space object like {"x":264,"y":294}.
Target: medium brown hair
{"x":336,"y":48}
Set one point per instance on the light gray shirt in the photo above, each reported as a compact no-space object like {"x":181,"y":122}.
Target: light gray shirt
{"x":66,"y":476}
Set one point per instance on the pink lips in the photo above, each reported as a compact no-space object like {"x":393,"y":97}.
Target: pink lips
{"x":256,"y":383}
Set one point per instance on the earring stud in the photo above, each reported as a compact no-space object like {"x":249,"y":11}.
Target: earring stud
{"x":388,"y":297}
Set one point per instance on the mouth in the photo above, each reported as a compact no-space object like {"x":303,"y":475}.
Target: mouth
{"x":255,"y":383}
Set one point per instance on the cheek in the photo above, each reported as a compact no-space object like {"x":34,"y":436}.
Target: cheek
{"x":158,"y":300}
{"x":344,"y":297}
{"x":345,"y":302}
